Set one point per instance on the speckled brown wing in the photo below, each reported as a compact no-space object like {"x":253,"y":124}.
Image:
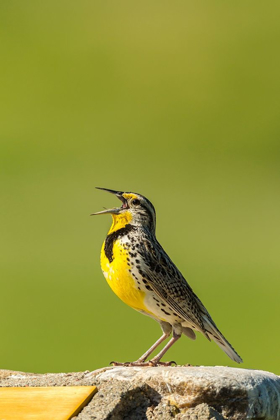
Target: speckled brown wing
{"x":167,"y":281}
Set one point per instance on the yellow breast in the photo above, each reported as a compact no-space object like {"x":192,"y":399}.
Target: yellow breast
{"x":120,"y":279}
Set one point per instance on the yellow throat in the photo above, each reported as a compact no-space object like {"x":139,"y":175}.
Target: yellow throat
{"x":120,"y":221}
{"x":118,"y":272}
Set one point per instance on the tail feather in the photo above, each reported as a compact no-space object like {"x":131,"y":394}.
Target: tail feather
{"x":219,"y":339}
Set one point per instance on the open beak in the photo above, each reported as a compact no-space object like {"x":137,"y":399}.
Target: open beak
{"x":115,"y":210}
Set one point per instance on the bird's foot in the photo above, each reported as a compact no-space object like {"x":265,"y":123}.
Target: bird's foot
{"x":140,"y":363}
{"x":119,"y":363}
{"x":152,"y":363}
{"x":158,"y":363}
{"x":131,"y":364}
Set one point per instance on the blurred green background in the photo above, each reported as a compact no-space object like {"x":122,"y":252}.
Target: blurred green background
{"x":176,"y":100}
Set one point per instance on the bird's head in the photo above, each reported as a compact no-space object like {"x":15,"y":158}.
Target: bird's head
{"x":135,"y":210}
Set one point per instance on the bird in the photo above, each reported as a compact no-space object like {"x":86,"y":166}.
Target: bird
{"x":142,"y":275}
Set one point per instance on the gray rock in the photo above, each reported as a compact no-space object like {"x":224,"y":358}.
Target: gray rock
{"x":183,"y":393}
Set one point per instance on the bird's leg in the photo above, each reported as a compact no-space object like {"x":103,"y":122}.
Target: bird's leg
{"x":141,"y":360}
{"x":151,"y":349}
{"x":166,"y":329}
{"x":156,"y":360}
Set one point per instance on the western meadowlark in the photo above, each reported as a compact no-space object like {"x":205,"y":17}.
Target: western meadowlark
{"x":143,"y":276}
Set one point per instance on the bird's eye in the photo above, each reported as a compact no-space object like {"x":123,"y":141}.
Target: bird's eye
{"x":135,"y":202}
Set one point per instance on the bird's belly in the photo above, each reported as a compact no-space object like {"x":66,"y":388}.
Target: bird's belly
{"x":120,"y":278}
{"x":161,"y":310}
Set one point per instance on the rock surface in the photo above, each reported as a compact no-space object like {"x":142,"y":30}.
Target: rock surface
{"x":183,"y":393}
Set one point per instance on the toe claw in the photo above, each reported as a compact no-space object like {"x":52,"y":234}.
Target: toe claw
{"x":158,"y":363}
{"x":151,"y":363}
{"x":119,"y":363}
